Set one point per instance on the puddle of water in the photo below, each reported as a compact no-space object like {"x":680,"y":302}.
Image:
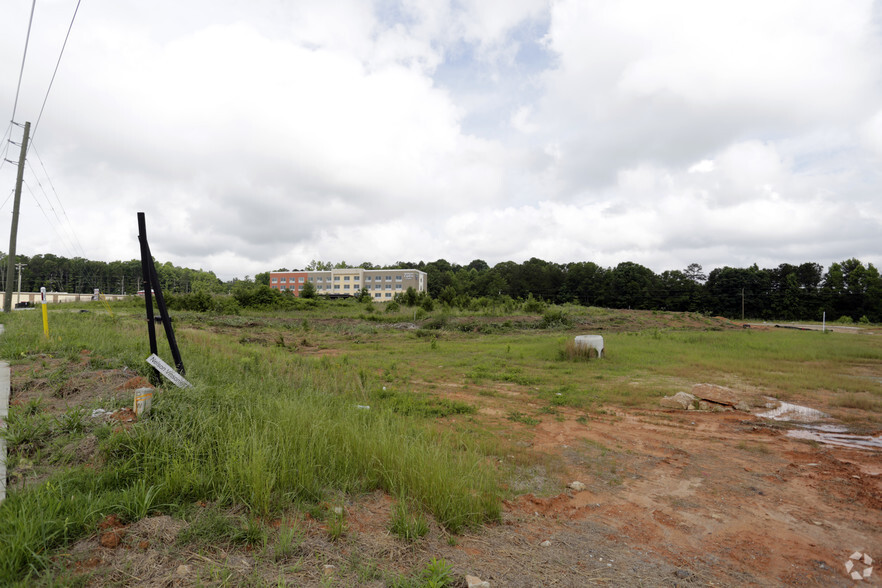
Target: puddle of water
{"x":839,"y":439}
{"x":794,"y":412}
{"x":822,"y":433}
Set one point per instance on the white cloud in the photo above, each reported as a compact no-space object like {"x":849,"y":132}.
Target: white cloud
{"x":264,"y":134}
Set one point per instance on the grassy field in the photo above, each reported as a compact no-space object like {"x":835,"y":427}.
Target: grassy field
{"x":278,"y":418}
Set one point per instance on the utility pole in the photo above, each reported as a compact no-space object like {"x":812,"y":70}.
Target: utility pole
{"x":19,"y":266}
{"x":13,"y":233}
{"x":742,"y":304}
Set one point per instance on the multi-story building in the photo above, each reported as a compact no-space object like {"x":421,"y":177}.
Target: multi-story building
{"x":382,"y":284}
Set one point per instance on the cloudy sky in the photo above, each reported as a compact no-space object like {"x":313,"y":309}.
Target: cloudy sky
{"x":259,"y":134}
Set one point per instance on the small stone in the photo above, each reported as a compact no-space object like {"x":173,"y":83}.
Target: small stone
{"x":476,"y":582}
{"x":680,"y":400}
{"x":338,"y":510}
{"x":183,"y":570}
{"x":577,"y":486}
{"x":546,"y":543}
{"x":329,"y":569}
{"x":143,"y":544}
{"x":682,"y":574}
{"x":743,"y":406}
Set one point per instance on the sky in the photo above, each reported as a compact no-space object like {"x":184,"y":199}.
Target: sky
{"x":261,"y":134}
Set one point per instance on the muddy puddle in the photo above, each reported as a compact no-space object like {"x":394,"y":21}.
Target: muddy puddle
{"x":810,"y":429}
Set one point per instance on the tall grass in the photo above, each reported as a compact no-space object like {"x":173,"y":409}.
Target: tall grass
{"x":262,"y":427}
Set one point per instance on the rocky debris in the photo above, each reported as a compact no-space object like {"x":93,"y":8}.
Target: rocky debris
{"x":183,"y":571}
{"x":476,"y":582}
{"x":545,"y":543}
{"x":713,"y":406}
{"x":328,"y":570}
{"x":716,"y":394}
{"x":680,"y":401}
{"x":577,"y":486}
{"x":682,"y":574}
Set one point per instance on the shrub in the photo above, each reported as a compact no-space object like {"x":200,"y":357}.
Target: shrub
{"x":533,"y":305}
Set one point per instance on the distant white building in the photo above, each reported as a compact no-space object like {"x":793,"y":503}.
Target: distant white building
{"x":382,"y":284}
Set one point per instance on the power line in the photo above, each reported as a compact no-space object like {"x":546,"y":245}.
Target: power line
{"x":48,"y":222}
{"x":52,"y":208}
{"x":6,"y":136}
{"x":11,"y":192}
{"x":57,"y":63}
{"x":60,"y":204}
{"x":23,"y":58}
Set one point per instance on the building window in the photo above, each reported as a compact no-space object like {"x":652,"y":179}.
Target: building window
{"x":356,"y":278}
{"x":346,"y":287}
{"x":397,"y":278}
{"x":336,"y":278}
{"x":282,"y":280}
{"x":399,"y":287}
{"x":388,"y":286}
{"x":388,"y":295}
{"x":377,"y":295}
{"x":300,"y":280}
{"x":336,"y":286}
{"x":367,"y":278}
{"x":388,"y":278}
{"x":275,"y":280}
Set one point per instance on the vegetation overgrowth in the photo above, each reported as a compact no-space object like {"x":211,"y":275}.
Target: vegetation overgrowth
{"x":262,"y":429}
{"x":295,"y":407}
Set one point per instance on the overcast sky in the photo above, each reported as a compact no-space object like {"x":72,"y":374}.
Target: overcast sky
{"x":259,"y":134}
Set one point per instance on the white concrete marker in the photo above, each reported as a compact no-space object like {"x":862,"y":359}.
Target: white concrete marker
{"x":591,"y":342}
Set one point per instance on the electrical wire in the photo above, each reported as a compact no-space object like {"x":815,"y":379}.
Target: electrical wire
{"x":49,"y":222}
{"x":23,"y":58}
{"x":57,"y":63}
{"x":52,"y":208}
{"x":11,"y":192}
{"x":60,"y":204}
{"x":7,"y":135}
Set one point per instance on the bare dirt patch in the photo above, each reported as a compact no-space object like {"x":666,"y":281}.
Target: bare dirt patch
{"x":671,"y":498}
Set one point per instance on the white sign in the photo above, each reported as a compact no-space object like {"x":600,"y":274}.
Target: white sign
{"x":169,"y":372}
{"x":43,"y":295}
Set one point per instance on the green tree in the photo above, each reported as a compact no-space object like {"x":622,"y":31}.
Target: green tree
{"x":308,"y":290}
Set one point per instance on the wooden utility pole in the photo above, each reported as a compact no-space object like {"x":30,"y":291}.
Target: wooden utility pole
{"x":13,"y":232}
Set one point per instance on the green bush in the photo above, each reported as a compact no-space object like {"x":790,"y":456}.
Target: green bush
{"x":534,"y":306}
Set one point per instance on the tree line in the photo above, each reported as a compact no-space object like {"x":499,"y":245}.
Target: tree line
{"x":848,"y":290}
{"x":81,"y":276}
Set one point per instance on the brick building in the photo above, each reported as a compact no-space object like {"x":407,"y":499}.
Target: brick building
{"x":382,"y":284}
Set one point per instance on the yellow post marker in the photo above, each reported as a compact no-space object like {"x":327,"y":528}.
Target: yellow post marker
{"x":45,"y":313}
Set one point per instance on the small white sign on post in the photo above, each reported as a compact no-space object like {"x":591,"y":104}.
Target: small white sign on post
{"x":143,"y":401}
{"x":168,"y":371}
